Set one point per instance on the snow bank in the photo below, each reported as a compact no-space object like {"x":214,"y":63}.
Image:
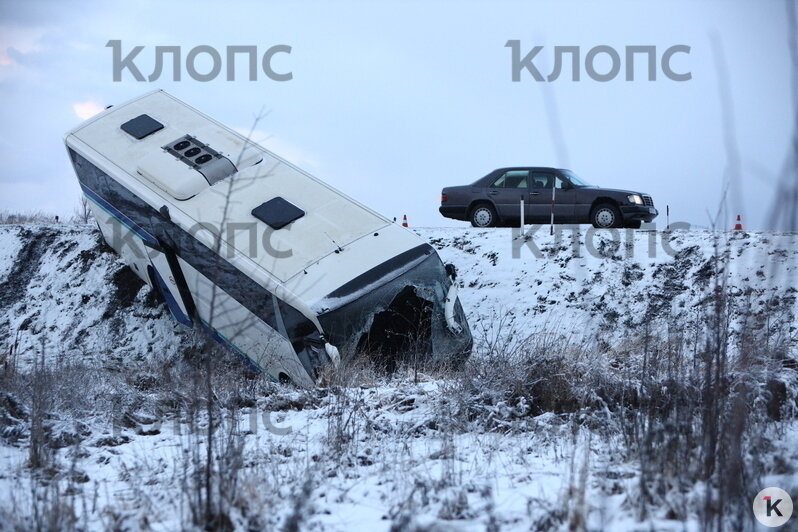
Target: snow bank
{"x":64,"y":294}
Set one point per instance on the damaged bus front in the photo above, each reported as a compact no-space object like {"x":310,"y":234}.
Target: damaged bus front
{"x":405,"y":310}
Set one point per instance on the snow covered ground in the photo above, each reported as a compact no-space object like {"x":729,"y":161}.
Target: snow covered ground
{"x":597,"y":280}
{"x":66,"y":295}
{"x":122,"y":432}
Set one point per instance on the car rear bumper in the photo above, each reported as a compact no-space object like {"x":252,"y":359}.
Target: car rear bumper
{"x":642,"y":213}
{"x":449,"y":211}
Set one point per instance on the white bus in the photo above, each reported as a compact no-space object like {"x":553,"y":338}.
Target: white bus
{"x":284,"y":269}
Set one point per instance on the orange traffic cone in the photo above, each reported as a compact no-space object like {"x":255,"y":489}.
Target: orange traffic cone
{"x":404,"y":221}
{"x":739,"y":225}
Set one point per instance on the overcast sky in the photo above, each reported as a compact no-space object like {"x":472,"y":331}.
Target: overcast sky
{"x":391,"y":101}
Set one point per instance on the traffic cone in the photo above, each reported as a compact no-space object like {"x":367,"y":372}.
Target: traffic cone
{"x":739,"y":225}
{"x":404,"y":221}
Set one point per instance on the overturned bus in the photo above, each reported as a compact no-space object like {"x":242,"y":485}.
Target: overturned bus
{"x":288,"y":272}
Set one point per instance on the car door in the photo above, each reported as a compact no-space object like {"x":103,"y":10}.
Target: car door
{"x":540,"y":196}
{"x":565,"y":200}
{"x":507,"y":191}
{"x":547,"y":192}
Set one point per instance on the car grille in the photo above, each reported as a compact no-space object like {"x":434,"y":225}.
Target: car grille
{"x":648,"y":201}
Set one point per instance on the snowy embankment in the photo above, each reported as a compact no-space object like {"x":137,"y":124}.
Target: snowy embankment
{"x":596,"y":282}
{"x":64,"y":294}
{"x":116,"y":423}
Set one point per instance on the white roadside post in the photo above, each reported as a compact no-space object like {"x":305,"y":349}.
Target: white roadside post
{"x":553,"y":194}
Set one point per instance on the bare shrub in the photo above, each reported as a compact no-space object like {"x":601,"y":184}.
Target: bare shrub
{"x":82,"y":213}
{"x":502,"y":388}
{"x":300,"y":504}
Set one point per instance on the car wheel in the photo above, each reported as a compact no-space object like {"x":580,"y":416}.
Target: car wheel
{"x":605,"y":215}
{"x":483,"y":216}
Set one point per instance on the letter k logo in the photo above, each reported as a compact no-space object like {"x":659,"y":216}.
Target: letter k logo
{"x":772,"y":506}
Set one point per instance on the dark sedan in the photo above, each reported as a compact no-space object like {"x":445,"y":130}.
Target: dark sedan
{"x":547,"y":193}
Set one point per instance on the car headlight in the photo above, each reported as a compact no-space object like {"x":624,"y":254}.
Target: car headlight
{"x":635,"y":198}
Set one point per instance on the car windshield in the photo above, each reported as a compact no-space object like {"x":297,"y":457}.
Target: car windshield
{"x":575,"y":179}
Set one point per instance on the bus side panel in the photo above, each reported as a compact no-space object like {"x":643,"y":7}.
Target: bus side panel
{"x":242,"y":330}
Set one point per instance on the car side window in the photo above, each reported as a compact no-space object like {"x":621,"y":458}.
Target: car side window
{"x":542,"y":180}
{"x":512,"y":179}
